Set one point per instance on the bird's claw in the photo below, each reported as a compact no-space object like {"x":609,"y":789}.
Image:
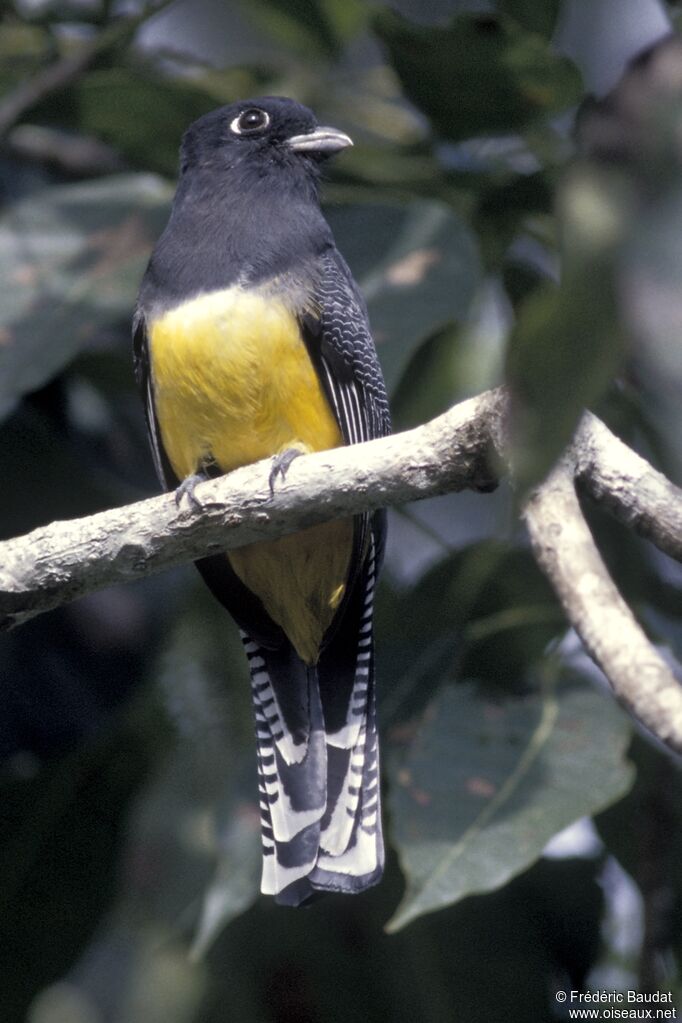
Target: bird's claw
{"x":187,"y":488}
{"x":280,"y":466}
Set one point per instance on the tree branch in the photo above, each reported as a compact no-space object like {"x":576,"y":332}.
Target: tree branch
{"x":68,"y":68}
{"x":62,"y":561}
{"x":566,"y":551}
{"x":461,"y":449}
{"x":638,"y":495}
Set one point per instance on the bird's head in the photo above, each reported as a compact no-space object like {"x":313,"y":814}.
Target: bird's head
{"x":270,"y":130}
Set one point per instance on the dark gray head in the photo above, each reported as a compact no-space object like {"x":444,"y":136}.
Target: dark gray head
{"x":260,"y":134}
{"x":246,"y":205}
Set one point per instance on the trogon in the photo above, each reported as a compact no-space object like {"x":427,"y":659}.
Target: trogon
{"x":251,"y":340}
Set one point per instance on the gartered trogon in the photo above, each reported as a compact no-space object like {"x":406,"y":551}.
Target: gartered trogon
{"x":251,"y":340}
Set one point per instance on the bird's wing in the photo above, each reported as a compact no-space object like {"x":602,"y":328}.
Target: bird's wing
{"x":339,"y":341}
{"x":349,"y":854}
{"x":143,"y":377}
{"x":341,"y":348}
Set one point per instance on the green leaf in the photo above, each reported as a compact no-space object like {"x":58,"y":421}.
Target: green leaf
{"x":22,"y":43}
{"x":306,"y":24}
{"x":431,"y":382}
{"x":568,"y":342}
{"x":485,"y":612}
{"x":203,"y":810}
{"x":655,"y":802}
{"x":486,"y":784}
{"x":63,"y":831}
{"x":479,"y":75}
{"x":143,"y":115}
{"x":71,"y":259}
{"x":235,"y":884}
{"x":652,"y":282}
{"x":506,"y":208}
{"x":536,"y":17}
{"x":47,"y":474}
{"x":418,"y":267}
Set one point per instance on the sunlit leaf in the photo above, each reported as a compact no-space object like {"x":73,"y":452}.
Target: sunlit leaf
{"x":486,"y":784}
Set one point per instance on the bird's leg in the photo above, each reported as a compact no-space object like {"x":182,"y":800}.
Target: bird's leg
{"x":187,"y":488}
{"x":208,"y":469}
{"x":281,"y":463}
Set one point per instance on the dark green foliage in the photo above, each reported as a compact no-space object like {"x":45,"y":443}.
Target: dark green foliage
{"x":481,"y":75}
{"x":70,"y":260}
{"x":163,"y":109}
{"x":129,"y":838}
{"x":467,"y":824}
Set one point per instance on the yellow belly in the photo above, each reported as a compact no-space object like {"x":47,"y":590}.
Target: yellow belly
{"x":233,"y":383}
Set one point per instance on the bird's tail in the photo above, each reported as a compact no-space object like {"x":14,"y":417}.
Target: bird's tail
{"x":318,"y":759}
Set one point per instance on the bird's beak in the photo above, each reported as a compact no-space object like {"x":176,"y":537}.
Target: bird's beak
{"x":324,"y":141}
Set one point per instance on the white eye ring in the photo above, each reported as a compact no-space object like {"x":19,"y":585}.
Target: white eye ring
{"x":237,"y":129}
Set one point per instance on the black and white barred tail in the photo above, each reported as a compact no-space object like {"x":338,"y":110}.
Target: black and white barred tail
{"x":318,"y":759}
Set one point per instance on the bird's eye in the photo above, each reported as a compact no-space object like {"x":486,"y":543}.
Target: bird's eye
{"x":250,"y":121}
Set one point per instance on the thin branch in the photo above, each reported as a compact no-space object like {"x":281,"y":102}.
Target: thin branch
{"x":68,"y":68}
{"x":72,"y":155}
{"x":566,"y":551}
{"x":639,"y":496}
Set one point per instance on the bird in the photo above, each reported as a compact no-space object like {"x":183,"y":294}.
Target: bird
{"x":251,"y":340}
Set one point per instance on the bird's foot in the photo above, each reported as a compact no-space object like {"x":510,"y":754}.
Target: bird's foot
{"x":187,"y":488}
{"x":280,"y":465}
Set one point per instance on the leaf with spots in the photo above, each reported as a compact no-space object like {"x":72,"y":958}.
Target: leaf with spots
{"x":486,"y":783}
{"x":71,"y":258}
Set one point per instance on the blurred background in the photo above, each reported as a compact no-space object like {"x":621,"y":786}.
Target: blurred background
{"x":535,"y":837}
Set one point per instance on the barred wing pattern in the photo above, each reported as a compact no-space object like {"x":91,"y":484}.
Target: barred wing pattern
{"x":351,"y":372}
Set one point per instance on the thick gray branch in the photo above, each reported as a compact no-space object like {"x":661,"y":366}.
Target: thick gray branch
{"x":642,"y":498}
{"x":65,"y":560}
{"x":566,"y":551}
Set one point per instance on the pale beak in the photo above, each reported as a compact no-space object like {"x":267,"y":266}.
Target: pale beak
{"x":324,"y":141}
